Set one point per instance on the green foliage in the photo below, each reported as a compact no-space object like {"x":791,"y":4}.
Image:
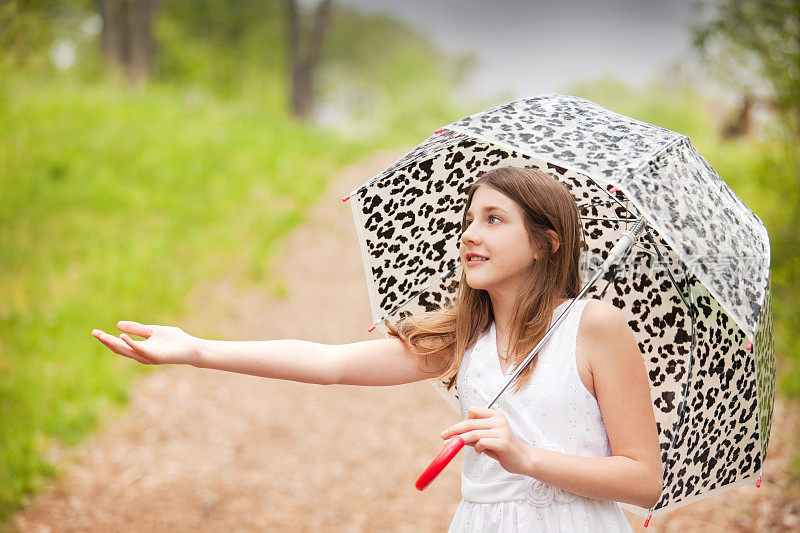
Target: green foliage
{"x":26,"y":27}
{"x":766,"y":34}
{"x":116,"y":203}
{"x":380,"y":76}
{"x":234,"y":49}
{"x":383,"y":91}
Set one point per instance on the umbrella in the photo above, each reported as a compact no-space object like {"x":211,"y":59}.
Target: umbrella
{"x":695,"y":287}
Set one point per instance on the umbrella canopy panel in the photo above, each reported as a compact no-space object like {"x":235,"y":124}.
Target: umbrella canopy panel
{"x":703,"y":381}
{"x":720,"y":239}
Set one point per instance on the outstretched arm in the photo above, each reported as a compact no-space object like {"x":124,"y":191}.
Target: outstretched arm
{"x":375,"y":362}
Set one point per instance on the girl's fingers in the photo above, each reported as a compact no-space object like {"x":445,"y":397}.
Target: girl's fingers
{"x":471,"y":437}
{"x":136,"y":357}
{"x":116,"y":345}
{"x":489,"y":444}
{"x":135,"y":328}
{"x":141,"y":351}
{"x":111,"y":342}
{"x":476,"y":411}
{"x":135,"y":345}
{"x":466,"y":425}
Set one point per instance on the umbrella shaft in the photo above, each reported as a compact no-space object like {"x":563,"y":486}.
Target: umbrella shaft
{"x":625,"y":242}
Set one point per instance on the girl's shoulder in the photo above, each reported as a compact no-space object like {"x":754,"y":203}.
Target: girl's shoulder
{"x":600,"y":318}
{"x":604,"y":338}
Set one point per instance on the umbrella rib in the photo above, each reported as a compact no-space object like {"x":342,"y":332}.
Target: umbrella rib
{"x":603,"y":292}
{"x":634,"y":216}
{"x":615,"y":269}
{"x":625,"y":206}
{"x":642,"y":249}
{"x":682,"y":406}
{"x":690,"y":308}
{"x":666,"y":268}
{"x":610,"y":219}
{"x":611,"y":195}
{"x":402,"y":304}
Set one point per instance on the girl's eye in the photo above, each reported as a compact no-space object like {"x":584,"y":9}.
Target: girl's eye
{"x":468,"y":221}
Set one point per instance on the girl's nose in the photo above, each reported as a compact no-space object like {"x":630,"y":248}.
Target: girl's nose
{"x":470,"y":235}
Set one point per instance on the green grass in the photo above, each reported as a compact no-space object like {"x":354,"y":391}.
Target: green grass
{"x":113,"y":205}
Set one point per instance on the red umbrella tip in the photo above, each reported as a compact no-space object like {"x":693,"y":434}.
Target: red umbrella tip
{"x":438,"y":131}
{"x":346,"y":198}
{"x":612,"y":190}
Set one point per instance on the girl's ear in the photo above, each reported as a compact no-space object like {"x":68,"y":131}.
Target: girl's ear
{"x":554,"y":240}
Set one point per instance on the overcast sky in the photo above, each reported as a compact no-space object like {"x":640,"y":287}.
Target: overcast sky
{"x":536,"y":47}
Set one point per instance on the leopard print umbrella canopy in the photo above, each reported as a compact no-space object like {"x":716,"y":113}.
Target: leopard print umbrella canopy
{"x":695,"y":288}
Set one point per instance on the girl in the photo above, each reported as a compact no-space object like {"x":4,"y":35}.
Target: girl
{"x":576,"y":432}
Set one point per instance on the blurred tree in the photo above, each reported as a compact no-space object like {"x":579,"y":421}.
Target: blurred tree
{"x":127,"y":36}
{"x":28,"y":28}
{"x":304,"y":55}
{"x":740,"y":126}
{"x":752,"y":39}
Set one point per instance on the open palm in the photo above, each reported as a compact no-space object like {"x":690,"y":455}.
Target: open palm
{"x":162,"y":344}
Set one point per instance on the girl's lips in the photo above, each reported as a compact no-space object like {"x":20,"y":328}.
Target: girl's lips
{"x":476,"y":262}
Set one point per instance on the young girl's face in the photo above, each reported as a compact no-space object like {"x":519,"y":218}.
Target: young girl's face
{"x":495,"y":229}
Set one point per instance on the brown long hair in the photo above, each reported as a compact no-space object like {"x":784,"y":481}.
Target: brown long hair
{"x":446,"y":334}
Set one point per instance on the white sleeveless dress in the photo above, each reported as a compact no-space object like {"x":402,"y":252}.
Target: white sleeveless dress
{"x":553,"y":411}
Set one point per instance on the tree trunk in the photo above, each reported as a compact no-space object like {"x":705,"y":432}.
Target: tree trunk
{"x":142,"y":43}
{"x":303,"y":60}
{"x":127,"y":38}
{"x":112,"y":38}
{"x":740,"y":126}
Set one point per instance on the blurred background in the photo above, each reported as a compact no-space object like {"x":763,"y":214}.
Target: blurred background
{"x":149,"y":145}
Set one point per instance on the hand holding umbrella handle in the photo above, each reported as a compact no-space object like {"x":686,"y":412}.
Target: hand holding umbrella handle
{"x":437,"y":465}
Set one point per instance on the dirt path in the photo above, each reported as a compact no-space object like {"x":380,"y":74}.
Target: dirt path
{"x":203,"y":450}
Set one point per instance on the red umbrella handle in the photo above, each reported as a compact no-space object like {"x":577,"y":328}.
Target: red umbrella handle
{"x":437,"y":465}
